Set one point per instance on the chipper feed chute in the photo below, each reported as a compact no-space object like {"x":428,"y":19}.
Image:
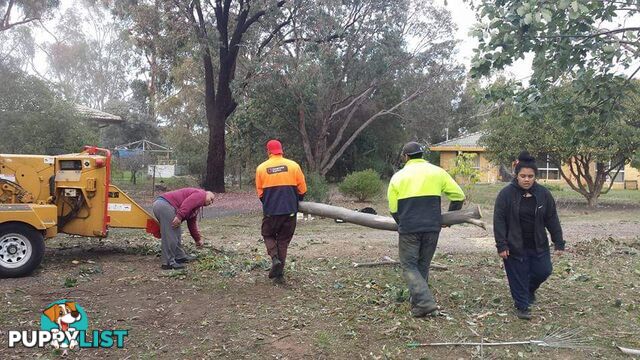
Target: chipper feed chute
{"x":124,"y":212}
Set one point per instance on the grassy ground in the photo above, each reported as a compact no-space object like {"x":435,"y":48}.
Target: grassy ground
{"x":224,"y":306}
{"x":567,"y":200}
{"x":484,"y":194}
{"x":144,"y":182}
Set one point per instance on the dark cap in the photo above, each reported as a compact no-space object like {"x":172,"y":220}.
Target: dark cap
{"x":412,"y":148}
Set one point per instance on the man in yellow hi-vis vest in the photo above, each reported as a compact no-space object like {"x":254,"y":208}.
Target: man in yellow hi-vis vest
{"x":414,"y":202}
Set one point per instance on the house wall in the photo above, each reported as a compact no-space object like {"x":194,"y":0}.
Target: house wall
{"x":488,"y":171}
{"x":631,"y":178}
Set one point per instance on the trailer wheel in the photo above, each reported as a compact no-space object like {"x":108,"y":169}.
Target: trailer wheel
{"x":21,"y":250}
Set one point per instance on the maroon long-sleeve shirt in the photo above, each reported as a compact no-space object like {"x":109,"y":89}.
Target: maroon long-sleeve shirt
{"x":187,"y":202}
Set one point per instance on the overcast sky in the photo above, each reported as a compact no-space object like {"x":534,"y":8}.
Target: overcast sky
{"x":521,"y":70}
{"x":461,"y":12}
{"x":465,"y":19}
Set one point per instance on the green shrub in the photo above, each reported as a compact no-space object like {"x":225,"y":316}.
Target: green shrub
{"x":553,"y":187}
{"x":362,"y":185}
{"x":465,"y":173}
{"x":317,"y":188}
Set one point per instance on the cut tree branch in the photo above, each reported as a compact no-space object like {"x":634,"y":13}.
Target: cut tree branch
{"x":355,"y":134}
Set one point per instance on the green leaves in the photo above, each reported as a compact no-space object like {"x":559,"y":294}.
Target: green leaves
{"x":593,"y":117}
{"x":363,"y":185}
{"x":564,"y":36}
{"x":36,"y":121}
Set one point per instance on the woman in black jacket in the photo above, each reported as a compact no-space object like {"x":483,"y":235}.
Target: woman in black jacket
{"x":524,"y":210}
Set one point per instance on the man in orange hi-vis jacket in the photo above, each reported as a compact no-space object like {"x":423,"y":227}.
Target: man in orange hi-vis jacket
{"x":280,"y":185}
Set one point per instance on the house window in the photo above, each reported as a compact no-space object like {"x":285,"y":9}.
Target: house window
{"x":476,"y":161}
{"x":620,"y":177}
{"x":547,"y":170}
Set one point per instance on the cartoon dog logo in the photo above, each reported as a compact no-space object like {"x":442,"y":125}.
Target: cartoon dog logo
{"x":63,"y":315}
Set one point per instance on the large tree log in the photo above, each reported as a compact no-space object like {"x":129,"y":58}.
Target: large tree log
{"x":469,"y":215}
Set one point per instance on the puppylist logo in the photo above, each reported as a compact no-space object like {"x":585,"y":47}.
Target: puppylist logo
{"x":64,"y":325}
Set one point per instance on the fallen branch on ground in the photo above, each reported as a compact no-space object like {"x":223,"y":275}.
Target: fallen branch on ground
{"x":560,"y":338}
{"x":629,"y":351}
{"x":389,"y":261}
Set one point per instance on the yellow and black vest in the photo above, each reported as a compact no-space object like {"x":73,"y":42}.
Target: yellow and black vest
{"x":414,"y":196}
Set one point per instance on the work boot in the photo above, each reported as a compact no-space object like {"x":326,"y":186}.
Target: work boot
{"x":275,"y":266}
{"x":186,"y":259}
{"x":523,"y":314}
{"x":176,"y":266}
{"x":419,"y":311}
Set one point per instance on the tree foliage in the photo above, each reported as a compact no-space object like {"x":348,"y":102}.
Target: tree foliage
{"x":317,"y":188}
{"x":90,"y":58}
{"x":344,"y":66}
{"x":18,"y":12}
{"x":134,"y":163}
{"x":591,"y":150}
{"x":227,"y":75}
{"x":566,"y":36}
{"x":577,"y":108}
{"x":34,"y":120}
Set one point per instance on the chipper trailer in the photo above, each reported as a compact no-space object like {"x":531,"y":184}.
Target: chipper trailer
{"x":41,"y":196}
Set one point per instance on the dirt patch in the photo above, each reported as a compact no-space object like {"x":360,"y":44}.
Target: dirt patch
{"x":224,"y":306}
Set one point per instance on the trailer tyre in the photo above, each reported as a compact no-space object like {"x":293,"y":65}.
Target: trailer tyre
{"x":21,"y":250}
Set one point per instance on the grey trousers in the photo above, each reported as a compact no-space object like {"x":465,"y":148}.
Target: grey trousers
{"x":416,"y":251}
{"x":171,"y":237}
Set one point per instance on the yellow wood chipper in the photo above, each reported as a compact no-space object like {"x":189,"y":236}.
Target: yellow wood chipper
{"x":41,"y":196}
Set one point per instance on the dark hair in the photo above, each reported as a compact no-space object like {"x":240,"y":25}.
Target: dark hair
{"x":416,"y":156}
{"x":525,"y":161}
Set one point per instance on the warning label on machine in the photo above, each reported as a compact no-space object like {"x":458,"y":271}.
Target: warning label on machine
{"x":8,"y":177}
{"x":119,"y":207}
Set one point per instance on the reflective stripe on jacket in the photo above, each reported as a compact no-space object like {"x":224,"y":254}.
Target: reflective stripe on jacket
{"x":280,"y":184}
{"x":414,"y":196}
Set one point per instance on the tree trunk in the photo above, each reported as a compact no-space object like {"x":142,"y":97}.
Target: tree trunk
{"x":470,"y":215}
{"x":153,"y":64}
{"x":214,"y":178}
{"x":220,"y":105}
{"x":598,"y":185}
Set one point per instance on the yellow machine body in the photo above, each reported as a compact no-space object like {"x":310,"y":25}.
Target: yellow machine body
{"x":41,"y":217}
{"x":66,"y":193}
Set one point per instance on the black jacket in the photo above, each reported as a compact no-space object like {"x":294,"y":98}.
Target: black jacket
{"x":506,"y":220}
